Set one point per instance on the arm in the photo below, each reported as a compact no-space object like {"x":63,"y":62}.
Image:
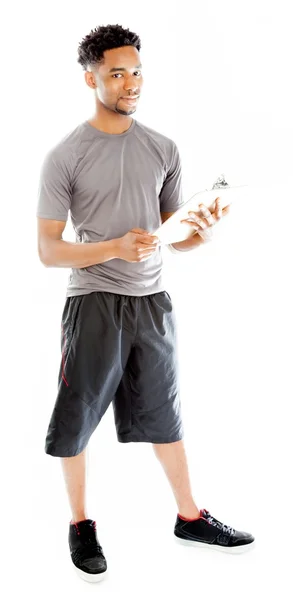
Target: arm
{"x":171,"y":199}
{"x":55,"y":252}
{"x":193,"y":242}
{"x":54,"y":201}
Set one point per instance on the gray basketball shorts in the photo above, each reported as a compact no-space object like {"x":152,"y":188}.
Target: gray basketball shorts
{"x":122,"y":350}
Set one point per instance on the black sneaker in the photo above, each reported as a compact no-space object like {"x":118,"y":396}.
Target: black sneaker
{"x":208,"y":532}
{"x":86,"y":553}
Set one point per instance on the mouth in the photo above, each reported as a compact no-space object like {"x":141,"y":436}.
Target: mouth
{"x":130,"y":99}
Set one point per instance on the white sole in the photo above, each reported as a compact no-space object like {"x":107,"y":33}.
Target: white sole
{"x":90,"y":577}
{"x":235,"y":550}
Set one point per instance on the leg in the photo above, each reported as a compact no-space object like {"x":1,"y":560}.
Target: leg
{"x":173,"y":459}
{"x":88,"y":347}
{"x":74,"y":471}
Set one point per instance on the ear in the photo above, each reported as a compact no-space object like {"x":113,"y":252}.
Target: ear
{"x":90,"y":79}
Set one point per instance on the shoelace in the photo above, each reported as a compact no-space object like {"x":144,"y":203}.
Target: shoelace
{"x":89,"y":549}
{"x":213,"y":521}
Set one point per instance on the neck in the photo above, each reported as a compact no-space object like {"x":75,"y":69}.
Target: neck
{"x":109,"y":121}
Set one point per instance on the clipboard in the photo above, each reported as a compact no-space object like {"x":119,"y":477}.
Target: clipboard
{"x":173,"y":230}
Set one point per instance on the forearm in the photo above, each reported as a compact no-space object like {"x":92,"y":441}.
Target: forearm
{"x":193,"y":242}
{"x":59,"y":253}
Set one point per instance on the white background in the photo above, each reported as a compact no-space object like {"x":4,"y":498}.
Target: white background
{"x":217,"y":80}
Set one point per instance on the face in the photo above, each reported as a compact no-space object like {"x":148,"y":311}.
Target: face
{"x":119,"y":77}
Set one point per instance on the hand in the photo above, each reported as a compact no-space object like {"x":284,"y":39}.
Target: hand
{"x":203,"y":226}
{"x":136,"y":246}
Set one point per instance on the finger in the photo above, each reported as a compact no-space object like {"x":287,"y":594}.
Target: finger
{"x":147,"y":248}
{"x":144,"y":255}
{"x":194,"y":218}
{"x":191,"y":223}
{"x":149,"y":239}
{"x":139,"y":230}
{"x":208,"y":215}
{"x":218,"y":210}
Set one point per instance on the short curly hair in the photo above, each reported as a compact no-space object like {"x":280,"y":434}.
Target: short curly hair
{"x":105,"y":37}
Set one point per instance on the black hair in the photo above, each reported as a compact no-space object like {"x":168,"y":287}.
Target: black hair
{"x":105,"y":37}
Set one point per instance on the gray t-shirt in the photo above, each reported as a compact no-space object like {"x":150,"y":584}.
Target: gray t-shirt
{"x":112,"y":183}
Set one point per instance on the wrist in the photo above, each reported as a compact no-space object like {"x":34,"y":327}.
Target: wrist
{"x":192,"y":242}
{"x":111,"y":248}
{"x":114,"y":248}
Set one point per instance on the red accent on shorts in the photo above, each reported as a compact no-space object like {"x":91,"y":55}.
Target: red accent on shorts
{"x":63,"y":358}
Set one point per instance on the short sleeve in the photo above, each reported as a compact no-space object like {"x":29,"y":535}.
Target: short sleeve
{"x":54,"y":191}
{"x":171,"y":193}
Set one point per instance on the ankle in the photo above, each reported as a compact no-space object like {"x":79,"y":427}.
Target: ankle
{"x":189,"y":512}
{"x":78,"y":517}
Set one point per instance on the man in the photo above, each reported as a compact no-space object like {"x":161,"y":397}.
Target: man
{"x":120,"y":180}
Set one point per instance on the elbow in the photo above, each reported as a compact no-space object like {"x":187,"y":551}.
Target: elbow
{"x":45,"y":262}
{"x":45,"y":256}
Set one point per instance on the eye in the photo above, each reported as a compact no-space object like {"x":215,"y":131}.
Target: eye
{"x":138,"y":74}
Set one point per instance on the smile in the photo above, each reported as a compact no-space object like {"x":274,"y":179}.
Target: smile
{"x":130,"y":99}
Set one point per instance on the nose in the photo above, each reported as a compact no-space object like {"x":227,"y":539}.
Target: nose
{"x":131,"y":85}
